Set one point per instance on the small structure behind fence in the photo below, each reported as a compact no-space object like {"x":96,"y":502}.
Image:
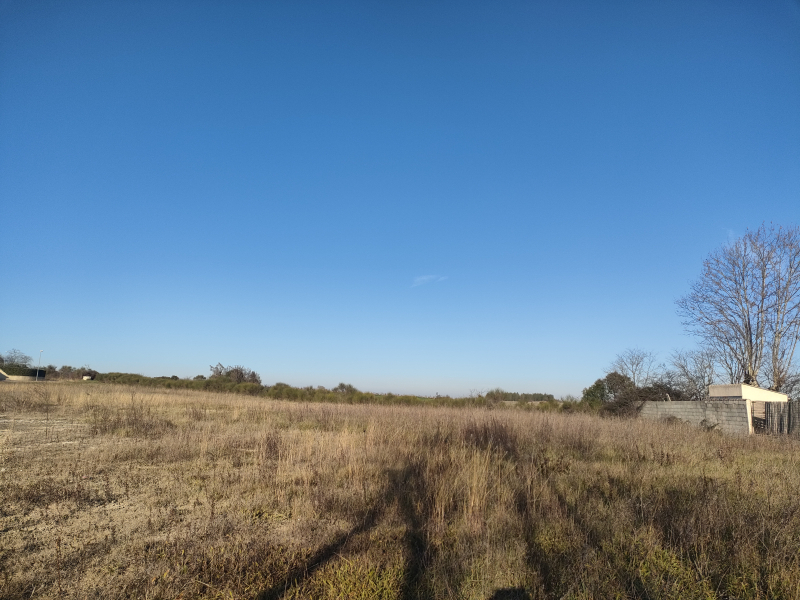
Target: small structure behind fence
{"x":776,"y":418}
{"x":738,"y":409}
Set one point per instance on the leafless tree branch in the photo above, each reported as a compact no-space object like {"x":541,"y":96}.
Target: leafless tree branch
{"x":745,"y":306}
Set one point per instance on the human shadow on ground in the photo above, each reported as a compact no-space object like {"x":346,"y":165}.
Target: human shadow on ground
{"x":322,"y":556}
{"x":552,"y":566}
{"x":532,"y":552}
{"x":406,"y":487}
{"x":510,"y":594}
{"x":547,"y":566}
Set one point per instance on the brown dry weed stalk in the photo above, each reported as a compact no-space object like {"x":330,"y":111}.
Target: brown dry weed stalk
{"x":116,"y":492}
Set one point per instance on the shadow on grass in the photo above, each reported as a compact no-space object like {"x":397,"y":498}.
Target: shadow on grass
{"x":322,"y":556}
{"x":561,"y":566}
{"x":406,"y":488}
{"x":547,"y":565}
{"x":510,"y":594}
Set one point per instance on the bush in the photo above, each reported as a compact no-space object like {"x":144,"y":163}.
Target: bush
{"x":345,"y":388}
{"x":251,"y":389}
{"x":596,"y":394}
{"x":235,"y":374}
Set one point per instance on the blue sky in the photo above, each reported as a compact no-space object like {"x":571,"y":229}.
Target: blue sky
{"x":409,"y":196}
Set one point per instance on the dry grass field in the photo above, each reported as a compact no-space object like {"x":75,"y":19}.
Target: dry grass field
{"x":121,"y":492}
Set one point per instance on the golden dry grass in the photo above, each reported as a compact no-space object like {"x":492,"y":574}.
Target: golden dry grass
{"x":120,"y":492}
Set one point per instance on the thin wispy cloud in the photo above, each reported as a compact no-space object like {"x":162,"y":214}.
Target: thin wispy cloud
{"x":423,"y":279}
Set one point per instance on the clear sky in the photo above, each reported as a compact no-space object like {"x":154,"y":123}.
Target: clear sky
{"x":410,"y":196}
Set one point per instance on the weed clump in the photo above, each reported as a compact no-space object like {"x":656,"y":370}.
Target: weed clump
{"x":492,"y":434}
{"x":134,"y":420}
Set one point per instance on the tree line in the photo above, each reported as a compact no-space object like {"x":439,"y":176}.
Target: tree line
{"x":500,"y":395}
{"x":242,"y":380}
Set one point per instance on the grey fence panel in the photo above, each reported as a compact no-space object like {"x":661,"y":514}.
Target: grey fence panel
{"x":793,"y":418}
{"x":776,"y":418}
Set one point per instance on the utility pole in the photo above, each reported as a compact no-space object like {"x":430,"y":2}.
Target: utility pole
{"x":40,"y":365}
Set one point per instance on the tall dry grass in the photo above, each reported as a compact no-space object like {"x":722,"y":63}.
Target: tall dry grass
{"x":117,"y":492}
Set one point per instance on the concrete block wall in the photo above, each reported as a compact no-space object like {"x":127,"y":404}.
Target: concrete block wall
{"x":4,"y":376}
{"x":730,"y":416}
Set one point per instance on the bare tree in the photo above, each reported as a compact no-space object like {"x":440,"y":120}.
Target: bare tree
{"x":791,"y":386}
{"x":17,"y":357}
{"x":783,"y":324}
{"x":729,"y":368}
{"x":746,"y":305}
{"x":636,"y":364}
{"x":694,"y":371}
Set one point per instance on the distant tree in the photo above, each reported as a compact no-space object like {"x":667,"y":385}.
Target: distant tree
{"x":726,"y":363}
{"x":792,"y":385}
{"x":616,"y":394}
{"x":68,"y":372}
{"x":614,"y":387}
{"x":235,"y":374}
{"x":596,"y":394}
{"x":495,"y":396}
{"x":658,"y":392}
{"x":17,"y":357}
{"x":618,"y":385}
{"x":693,"y":371}
{"x":500,"y":395}
{"x":746,"y":305}
{"x":637,"y":365}
{"x":345,"y":388}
